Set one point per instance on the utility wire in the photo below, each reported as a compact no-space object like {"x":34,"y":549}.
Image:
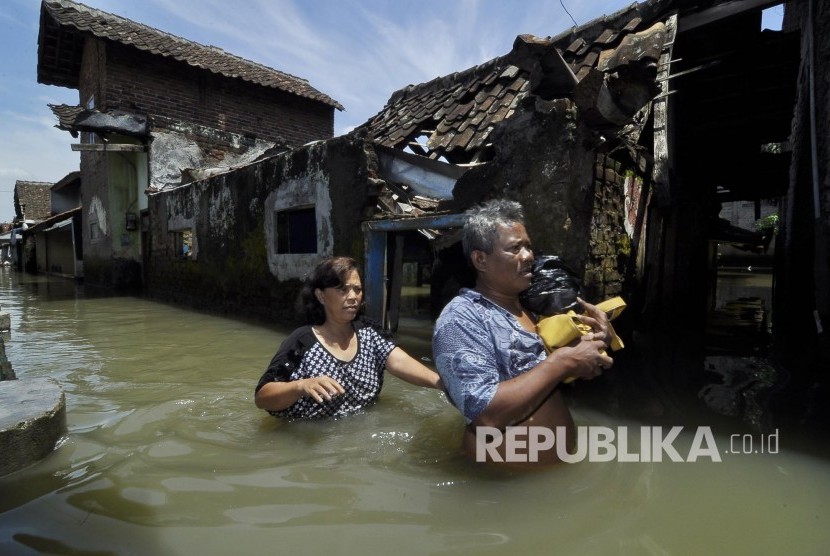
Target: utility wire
{"x":561,"y":3}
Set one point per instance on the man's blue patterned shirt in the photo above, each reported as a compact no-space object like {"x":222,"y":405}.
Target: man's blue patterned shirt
{"x":476,"y":345}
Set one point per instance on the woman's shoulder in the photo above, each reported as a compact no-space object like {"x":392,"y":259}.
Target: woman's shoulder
{"x":369,"y":327}
{"x":300,"y":337}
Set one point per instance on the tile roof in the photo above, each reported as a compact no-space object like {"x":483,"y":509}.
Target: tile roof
{"x":34,"y":198}
{"x":453,"y":116}
{"x":66,"y":115}
{"x":60,"y":18}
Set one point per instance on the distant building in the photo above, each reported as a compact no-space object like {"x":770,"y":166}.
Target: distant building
{"x":32,"y":200}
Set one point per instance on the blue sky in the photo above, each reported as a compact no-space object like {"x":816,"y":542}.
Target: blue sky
{"x":356,"y":51}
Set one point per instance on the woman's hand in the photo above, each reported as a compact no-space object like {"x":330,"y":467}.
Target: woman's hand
{"x":320,"y":388}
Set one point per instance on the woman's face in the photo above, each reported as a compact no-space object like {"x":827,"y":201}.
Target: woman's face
{"x":342,"y":302}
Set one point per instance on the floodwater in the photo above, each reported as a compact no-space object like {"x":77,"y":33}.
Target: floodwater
{"x":166,"y":454}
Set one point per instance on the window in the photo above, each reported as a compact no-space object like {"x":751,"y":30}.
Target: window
{"x":183,"y":244}
{"x":296,"y":231}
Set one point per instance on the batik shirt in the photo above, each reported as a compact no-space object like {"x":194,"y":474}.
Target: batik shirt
{"x":302,"y":355}
{"x":476,"y":345}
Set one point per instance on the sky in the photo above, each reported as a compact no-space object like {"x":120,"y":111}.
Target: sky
{"x":357,"y":52}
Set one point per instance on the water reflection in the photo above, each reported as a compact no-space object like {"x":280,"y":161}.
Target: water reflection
{"x":166,"y":454}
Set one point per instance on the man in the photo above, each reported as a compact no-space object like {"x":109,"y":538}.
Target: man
{"x":491,"y":360}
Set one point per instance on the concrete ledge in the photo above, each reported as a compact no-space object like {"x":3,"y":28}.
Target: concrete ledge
{"x":32,"y":420}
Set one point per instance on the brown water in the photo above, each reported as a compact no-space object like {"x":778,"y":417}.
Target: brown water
{"x":166,"y":454}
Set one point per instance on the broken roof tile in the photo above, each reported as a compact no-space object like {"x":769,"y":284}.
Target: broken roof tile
{"x":574,"y":47}
{"x":607,"y":37}
{"x":462,"y":108}
{"x":583,"y":72}
{"x":461,"y":140}
{"x":487,"y":103}
{"x":510,"y":72}
{"x":632,"y":25}
{"x":590,"y":59}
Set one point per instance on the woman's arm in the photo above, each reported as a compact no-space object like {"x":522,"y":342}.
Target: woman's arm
{"x":407,"y":368}
{"x":276,"y":396}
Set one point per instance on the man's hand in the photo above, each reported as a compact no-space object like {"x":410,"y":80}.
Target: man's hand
{"x":598,"y":321}
{"x":586,"y":357}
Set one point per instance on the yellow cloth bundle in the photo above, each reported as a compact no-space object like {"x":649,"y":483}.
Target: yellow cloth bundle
{"x":558,"y":331}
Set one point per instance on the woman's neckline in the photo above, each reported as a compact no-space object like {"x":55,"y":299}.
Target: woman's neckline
{"x":323,"y":341}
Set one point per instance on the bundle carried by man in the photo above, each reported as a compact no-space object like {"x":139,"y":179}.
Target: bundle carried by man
{"x":552,"y":295}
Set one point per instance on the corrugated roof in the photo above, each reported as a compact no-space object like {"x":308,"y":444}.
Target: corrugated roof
{"x":66,"y":17}
{"x":55,"y":221}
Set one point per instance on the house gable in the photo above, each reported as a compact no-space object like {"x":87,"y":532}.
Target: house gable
{"x":64,"y":26}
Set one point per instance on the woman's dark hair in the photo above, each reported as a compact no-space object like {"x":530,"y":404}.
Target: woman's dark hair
{"x":329,"y":273}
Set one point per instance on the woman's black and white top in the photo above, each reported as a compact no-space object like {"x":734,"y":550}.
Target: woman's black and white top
{"x":302,"y":355}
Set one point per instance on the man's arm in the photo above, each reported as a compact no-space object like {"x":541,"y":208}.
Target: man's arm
{"x":517,"y":398}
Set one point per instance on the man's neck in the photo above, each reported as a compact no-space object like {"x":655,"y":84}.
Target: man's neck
{"x":508,"y":302}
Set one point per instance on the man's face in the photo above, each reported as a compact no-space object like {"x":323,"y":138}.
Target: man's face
{"x":508,"y":268}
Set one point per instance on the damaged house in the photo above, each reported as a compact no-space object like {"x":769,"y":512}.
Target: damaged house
{"x":156,"y":111}
{"x":629,"y":140}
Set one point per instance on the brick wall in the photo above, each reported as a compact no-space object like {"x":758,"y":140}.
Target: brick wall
{"x":610,"y":245}
{"x":142,"y":82}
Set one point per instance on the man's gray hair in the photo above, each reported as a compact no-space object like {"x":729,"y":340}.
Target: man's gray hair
{"x":481,"y":229}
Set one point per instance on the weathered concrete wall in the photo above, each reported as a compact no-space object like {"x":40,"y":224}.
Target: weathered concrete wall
{"x":96,"y":220}
{"x":233,"y":266}
{"x":32,"y":421}
{"x":6,"y":370}
{"x":540,"y":161}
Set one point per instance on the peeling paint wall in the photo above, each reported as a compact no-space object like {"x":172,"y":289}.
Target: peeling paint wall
{"x":178,"y":147}
{"x":97,"y":242}
{"x":234,"y":267}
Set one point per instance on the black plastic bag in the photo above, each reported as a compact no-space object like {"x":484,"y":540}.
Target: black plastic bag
{"x":553,"y":288}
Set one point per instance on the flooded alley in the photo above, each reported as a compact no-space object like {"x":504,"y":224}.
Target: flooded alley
{"x":166,"y":454}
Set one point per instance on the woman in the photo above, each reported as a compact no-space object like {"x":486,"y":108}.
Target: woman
{"x":334,"y":365}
